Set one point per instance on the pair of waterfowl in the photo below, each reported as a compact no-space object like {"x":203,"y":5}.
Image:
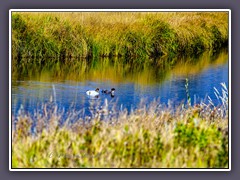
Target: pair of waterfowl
{"x":96,"y":92}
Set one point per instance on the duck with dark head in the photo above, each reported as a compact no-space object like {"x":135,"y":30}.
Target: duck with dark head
{"x":109,"y":92}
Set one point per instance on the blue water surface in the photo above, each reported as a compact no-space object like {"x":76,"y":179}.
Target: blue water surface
{"x":68,"y":95}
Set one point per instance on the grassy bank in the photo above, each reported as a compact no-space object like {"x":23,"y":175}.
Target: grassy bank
{"x":153,"y":136}
{"x":49,"y":36}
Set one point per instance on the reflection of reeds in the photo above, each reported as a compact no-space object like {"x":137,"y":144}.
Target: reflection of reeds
{"x":114,"y":69}
{"x":107,"y":34}
{"x":188,"y":65}
{"x":151,"y":136}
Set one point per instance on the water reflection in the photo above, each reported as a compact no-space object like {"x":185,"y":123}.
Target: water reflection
{"x":116,"y":70}
{"x":66,"y":82}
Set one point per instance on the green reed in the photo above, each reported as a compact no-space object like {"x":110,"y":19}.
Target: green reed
{"x":41,"y":35}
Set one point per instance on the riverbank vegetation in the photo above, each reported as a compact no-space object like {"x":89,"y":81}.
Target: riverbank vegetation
{"x":51,"y":36}
{"x":125,"y":46}
{"x":151,"y":136}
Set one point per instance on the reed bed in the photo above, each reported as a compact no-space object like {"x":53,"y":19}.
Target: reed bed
{"x":50,"y":36}
{"x":151,"y":136}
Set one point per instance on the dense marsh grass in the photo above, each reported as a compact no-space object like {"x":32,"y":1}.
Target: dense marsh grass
{"x":151,"y":136}
{"x":42,"y":35}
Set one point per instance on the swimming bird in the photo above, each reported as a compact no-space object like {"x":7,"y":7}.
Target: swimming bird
{"x":93,"y":92}
{"x":109,"y":92}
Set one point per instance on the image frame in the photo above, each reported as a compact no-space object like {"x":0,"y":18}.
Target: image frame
{"x":118,"y":169}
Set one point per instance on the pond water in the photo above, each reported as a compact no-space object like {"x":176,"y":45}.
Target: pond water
{"x":65,"y":83}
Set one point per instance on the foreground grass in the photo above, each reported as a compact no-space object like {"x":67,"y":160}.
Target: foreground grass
{"x":121,"y":34}
{"x":152,"y":136}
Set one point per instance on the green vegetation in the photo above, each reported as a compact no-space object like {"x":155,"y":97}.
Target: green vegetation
{"x":122,"y":46}
{"x":153,"y":136}
{"x":50,"y":36}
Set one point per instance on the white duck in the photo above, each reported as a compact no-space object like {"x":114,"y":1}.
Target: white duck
{"x":93,"y":92}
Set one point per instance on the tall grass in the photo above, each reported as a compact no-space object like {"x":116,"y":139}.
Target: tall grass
{"x":129,"y":34}
{"x":151,"y":136}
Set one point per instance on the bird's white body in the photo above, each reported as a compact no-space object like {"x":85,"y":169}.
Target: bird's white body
{"x":112,"y":93}
{"x":92,"y":93}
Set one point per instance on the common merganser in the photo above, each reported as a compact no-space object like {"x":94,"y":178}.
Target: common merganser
{"x":93,"y":92}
